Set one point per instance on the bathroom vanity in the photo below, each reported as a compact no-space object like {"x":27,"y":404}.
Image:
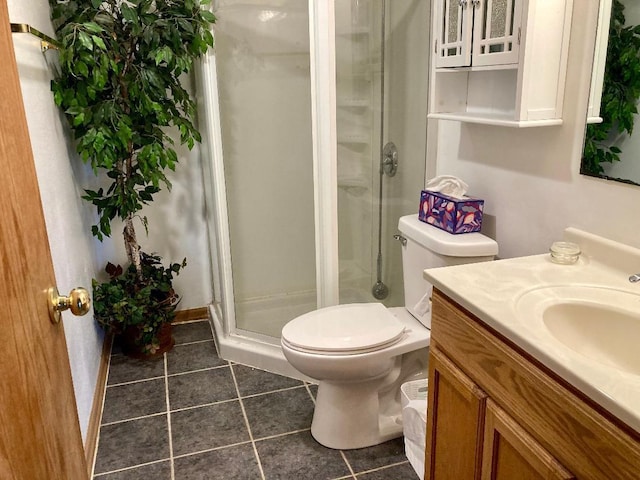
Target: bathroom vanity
{"x":510,"y":395}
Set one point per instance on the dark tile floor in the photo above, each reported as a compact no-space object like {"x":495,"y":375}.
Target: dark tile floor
{"x":191,"y":415}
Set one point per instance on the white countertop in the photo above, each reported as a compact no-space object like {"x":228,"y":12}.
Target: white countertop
{"x":492,"y":290}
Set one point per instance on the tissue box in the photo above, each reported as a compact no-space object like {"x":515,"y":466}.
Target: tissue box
{"x":453,"y":215}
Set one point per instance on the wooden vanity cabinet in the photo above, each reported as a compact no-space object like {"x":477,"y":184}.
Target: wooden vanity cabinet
{"x":494,"y":412}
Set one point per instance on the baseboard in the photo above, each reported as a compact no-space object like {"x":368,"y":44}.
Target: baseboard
{"x":191,"y":314}
{"x":93,"y":429}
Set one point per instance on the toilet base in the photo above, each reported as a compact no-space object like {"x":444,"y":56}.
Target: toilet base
{"x":357,"y":423}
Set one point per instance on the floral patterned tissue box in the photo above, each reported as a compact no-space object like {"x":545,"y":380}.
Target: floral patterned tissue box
{"x":453,"y":215}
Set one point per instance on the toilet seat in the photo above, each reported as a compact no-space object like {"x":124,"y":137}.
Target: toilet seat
{"x":344,"y":330}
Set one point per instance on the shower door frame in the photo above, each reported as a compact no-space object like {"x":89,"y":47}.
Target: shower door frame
{"x":241,"y":345}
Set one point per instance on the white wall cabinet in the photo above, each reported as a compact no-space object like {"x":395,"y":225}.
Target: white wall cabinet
{"x":477,"y":32}
{"x":500,"y":62}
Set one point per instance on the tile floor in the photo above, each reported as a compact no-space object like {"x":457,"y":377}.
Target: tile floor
{"x":191,"y":415}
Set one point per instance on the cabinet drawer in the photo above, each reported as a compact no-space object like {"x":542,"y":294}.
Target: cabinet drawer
{"x":580,"y":437}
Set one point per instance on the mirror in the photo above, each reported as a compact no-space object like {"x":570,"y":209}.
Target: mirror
{"x":612,"y":140}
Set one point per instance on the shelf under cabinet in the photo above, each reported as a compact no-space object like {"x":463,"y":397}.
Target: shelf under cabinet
{"x":494,"y":119}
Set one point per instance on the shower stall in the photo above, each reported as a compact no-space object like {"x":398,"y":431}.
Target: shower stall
{"x":315,"y":121}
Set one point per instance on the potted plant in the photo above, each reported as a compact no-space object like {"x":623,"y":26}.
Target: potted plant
{"x":119,"y":86}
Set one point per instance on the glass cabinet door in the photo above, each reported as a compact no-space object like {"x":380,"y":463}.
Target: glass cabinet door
{"x":454,"y":30}
{"x":496,"y":32}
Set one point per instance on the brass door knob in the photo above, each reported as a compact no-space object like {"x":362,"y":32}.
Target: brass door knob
{"x":78,"y":302}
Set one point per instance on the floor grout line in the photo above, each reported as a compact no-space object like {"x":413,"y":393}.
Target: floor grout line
{"x":271,"y":437}
{"x":308,"y":387}
{"x":183,"y":455}
{"x":246,"y":420}
{"x":286,"y":389}
{"x":195,"y":342}
{"x":157,"y":414}
{"x":159,"y":377}
{"x":166,"y":392}
{"x":131,"y":467}
{"x":193,"y":407}
{"x":384,"y":467}
{"x":187,"y":322}
{"x":344,"y":457}
{"x":206,"y":369}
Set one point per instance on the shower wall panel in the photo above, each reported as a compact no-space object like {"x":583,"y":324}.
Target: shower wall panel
{"x":262,"y":55}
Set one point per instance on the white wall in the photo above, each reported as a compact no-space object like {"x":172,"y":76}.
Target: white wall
{"x":177,"y":230}
{"x":67,"y":217}
{"x":529,"y":178}
{"x":176,"y":219}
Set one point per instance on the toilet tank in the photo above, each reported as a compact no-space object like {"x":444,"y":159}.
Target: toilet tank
{"x":430,"y":247}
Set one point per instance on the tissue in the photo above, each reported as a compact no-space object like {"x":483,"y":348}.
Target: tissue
{"x":447,"y":185}
{"x":448,"y":208}
{"x":414,"y":420}
{"x":424,"y":304}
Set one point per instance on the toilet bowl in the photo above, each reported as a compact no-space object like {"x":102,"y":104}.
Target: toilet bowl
{"x":358,"y":373}
{"x":361,"y":353}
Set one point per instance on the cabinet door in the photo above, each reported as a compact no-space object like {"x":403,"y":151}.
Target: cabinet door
{"x":455,"y":417}
{"x":454,"y":27}
{"x":496,"y":32}
{"x":509,"y":452}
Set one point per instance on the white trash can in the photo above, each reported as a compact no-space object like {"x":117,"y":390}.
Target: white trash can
{"x":414,"y":422}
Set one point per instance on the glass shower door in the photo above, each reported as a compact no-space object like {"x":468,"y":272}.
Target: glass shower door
{"x":382,"y":58}
{"x":262,"y":58}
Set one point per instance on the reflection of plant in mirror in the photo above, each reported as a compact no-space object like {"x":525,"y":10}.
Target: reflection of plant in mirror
{"x":620,"y":93}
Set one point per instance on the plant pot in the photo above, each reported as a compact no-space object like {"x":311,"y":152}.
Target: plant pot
{"x":128,"y":340}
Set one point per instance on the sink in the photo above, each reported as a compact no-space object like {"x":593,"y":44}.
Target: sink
{"x":599,"y":323}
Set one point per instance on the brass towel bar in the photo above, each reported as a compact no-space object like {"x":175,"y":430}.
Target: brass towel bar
{"x":46,"y":42}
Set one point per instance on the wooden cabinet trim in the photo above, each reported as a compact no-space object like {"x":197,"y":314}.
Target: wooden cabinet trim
{"x":441,"y":367}
{"x":497,"y":421}
{"x":588,"y":444}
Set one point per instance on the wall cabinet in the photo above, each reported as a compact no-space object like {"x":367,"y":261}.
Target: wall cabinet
{"x":500,"y":62}
{"x":495,"y":413}
{"x":477,"y":32}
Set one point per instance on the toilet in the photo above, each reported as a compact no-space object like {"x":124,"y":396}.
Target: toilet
{"x":361,"y":353}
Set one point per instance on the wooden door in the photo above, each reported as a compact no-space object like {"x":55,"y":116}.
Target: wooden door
{"x":455,"y":420}
{"x":39,"y":430}
{"x":509,"y":452}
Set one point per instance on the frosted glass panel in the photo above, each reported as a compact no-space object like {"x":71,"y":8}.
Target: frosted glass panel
{"x":361,"y":108}
{"x":499,"y":18}
{"x":453,"y":29}
{"x":262,"y":57}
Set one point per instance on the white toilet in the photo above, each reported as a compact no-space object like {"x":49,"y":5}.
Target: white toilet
{"x":361,"y":353}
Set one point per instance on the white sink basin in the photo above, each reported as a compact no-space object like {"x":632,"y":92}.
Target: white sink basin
{"x":599,"y":323}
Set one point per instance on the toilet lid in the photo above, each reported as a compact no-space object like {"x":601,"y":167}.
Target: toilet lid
{"x":344,"y":328}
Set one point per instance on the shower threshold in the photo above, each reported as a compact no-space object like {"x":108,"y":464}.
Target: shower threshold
{"x":253,"y":349}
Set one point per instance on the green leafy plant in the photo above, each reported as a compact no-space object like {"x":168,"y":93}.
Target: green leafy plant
{"x":125,"y":302}
{"x":119,"y":86}
{"x":621,"y":91}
